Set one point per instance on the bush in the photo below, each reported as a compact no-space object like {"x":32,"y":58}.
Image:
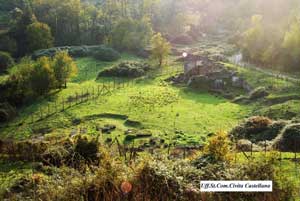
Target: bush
{"x":88,"y":149}
{"x":5,"y":61}
{"x":7,"y":112}
{"x":258,"y":93}
{"x":8,"y":44}
{"x":289,"y":139}
{"x":106,"y":54}
{"x":258,"y":129}
{"x":79,"y":51}
{"x":126,"y":69}
{"x":244,"y":145}
{"x":183,"y":39}
{"x":100,"y":52}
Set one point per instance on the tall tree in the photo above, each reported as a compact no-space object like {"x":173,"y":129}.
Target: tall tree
{"x":160,"y":49}
{"x":64,"y":68}
{"x":38,"y":36}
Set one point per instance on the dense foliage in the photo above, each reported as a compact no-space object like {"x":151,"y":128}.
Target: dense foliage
{"x":5,"y":61}
{"x":126,"y":69}
{"x":160,"y":49}
{"x":29,"y":79}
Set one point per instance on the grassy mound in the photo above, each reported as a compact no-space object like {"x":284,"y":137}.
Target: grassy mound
{"x":289,"y":139}
{"x":258,"y":128}
{"x":287,"y":110}
{"x":126,"y":69}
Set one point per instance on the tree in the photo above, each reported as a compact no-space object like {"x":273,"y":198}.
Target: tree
{"x":131,"y":34}
{"x":291,"y":45}
{"x":63,"y":16}
{"x":18,"y":32}
{"x":253,"y":41}
{"x":160,"y":48}
{"x":5,"y":61}
{"x":218,"y":147}
{"x":64,"y":68}
{"x":8,"y":44}
{"x":38,"y":36}
{"x":42,"y":77}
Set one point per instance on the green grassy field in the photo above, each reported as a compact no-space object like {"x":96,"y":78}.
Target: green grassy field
{"x":168,"y":112}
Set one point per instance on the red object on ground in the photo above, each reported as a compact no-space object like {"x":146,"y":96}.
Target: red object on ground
{"x":126,"y":187}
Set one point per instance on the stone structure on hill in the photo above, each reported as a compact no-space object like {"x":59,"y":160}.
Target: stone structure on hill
{"x":201,"y":72}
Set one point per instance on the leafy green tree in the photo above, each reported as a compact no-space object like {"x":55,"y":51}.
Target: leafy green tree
{"x":42,"y":78}
{"x":5,"y":61}
{"x":131,"y":34}
{"x":253,"y":40}
{"x":19,"y":77}
{"x":8,"y":44}
{"x":63,"y":16}
{"x":38,"y":36}
{"x":291,"y":45}
{"x":18,"y":32}
{"x":64,"y":68}
{"x":160,"y":48}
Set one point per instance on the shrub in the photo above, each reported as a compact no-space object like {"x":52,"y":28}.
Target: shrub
{"x":183,"y":39}
{"x":88,"y":149}
{"x":218,"y":147}
{"x":79,"y":51}
{"x":5,"y":61}
{"x":258,"y":93}
{"x":98,"y":51}
{"x":106,"y":54}
{"x":7,"y":44}
{"x":257,"y":128}
{"x":7,"y":112}
{"x":126,"y":69}
{"x":244,"y":145}
{"x":289,"y":139}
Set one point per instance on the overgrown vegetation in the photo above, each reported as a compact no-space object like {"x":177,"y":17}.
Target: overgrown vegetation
{"x":98,"y":101}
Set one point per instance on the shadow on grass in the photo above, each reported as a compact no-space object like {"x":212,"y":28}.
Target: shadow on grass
{"x":201,"y":96}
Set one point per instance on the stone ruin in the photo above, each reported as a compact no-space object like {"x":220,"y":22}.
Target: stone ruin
{"x":201,"y":72}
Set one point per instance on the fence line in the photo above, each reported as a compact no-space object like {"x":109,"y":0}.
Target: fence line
{"x":72,"y":100}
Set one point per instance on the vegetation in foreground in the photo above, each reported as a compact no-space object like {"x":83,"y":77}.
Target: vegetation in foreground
{"x":81,"y":168}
